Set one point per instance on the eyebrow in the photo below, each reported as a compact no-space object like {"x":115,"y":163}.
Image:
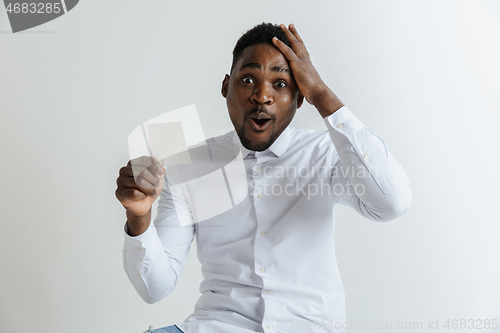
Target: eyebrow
{"x":258,"y":66}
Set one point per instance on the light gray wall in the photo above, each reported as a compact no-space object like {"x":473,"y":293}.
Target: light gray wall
{"x":424,"y":75}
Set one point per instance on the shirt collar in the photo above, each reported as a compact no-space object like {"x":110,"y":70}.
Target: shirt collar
{"x":278,"y":148}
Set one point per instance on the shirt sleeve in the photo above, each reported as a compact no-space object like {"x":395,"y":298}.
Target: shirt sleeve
{"x":155,"y":259}
{"x":366,"y":176}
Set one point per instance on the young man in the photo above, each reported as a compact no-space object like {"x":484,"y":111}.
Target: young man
{"x":268,"y":261}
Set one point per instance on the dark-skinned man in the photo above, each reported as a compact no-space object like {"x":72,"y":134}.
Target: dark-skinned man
{"x":269,"y":261}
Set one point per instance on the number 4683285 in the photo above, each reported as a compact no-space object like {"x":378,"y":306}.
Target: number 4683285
{"x":34,"y":8}
{"x":471,"y":324}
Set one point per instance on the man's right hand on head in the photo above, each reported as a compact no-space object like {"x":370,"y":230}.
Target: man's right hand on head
{"x":139,"y":184}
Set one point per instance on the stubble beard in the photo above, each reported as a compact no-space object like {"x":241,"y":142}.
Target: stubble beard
{"x":248,"y":144}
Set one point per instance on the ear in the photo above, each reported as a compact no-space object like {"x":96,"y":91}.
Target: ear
{"x":300,"y":100}
{"x":225,"y":85}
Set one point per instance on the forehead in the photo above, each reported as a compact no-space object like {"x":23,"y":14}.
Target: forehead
{"x":264,"y":54}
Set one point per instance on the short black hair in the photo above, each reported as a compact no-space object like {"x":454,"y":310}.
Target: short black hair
{"x":260,"y":34}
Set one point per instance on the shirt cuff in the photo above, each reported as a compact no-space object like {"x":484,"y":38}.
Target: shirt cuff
{"x":148,"y":238}
{"x":342,"y":123}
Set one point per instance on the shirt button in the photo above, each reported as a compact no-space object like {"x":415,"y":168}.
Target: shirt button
{"x":365,"y":156}
{"x":269,"y":326}
{"x":339,"y":125}
{"x":258,"y":168}
{"x":140,"y":248}
{"x":263,"y":233}
{"x":262,"y":269}
{"x":269,"y":292}
{"x":259,"y":196}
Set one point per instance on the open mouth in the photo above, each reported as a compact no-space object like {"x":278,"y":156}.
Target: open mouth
{"x":260,"y":124}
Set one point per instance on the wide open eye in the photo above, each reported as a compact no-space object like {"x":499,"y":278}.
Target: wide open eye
{"x":247,"y":80}
{"x":281,"y":84}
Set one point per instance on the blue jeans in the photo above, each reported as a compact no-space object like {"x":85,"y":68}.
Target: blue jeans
{"x":167,"y":329}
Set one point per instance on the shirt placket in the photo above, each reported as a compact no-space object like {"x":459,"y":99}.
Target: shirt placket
{"x":262,"y":247}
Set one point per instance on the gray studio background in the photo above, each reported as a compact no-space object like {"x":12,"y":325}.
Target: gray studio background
{"x":424,"y":75}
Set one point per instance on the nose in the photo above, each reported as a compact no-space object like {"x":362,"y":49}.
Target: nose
{"x":262,"y":94}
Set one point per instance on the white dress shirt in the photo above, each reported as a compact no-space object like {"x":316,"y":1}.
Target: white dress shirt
{"x":269,"y":262}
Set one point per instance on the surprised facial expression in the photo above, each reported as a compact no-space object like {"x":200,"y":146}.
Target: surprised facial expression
{"x":261,"y":96}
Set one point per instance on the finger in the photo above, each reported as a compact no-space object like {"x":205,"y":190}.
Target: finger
{"x":139,"y":164}
{"x":143,"y":160}
{"x":150,"y":177}
{"x":133,"y":194}
{"x":297,"y":45}
{"x":297,"y":36}
{"x":146,"y":173}
{"x":291,"y":38}
{"x":285,"y":49}
{"x":145,"y":186}
{"x":126,"y":171}
{"x":157,"y":168}
{"x":295,"y":33}
{"x":148,"y":162}
{"x":138,"y":183}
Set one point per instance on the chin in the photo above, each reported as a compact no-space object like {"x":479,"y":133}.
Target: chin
{"x":258,"y":146}
{"x":253,"y":145}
